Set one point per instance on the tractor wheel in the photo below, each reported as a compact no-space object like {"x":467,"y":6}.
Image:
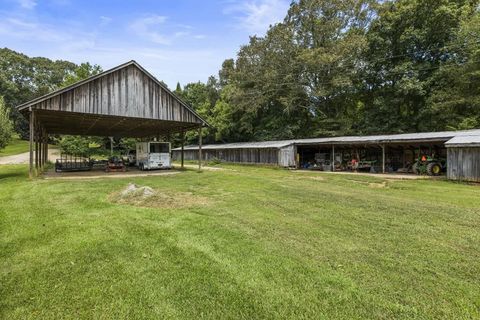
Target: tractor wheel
{"x":415,"y":169}
{"x":434,"y":169}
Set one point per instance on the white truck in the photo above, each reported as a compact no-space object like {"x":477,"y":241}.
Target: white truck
{"x":153,"y":155}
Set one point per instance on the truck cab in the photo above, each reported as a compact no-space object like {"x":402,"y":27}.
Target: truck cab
{"x":153,"y":155}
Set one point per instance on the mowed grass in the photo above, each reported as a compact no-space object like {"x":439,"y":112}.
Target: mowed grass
{"x":268,"y":243}
{"x":16,"y":146}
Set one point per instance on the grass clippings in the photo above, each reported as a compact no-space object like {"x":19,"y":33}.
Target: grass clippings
{"x":147,"y":197}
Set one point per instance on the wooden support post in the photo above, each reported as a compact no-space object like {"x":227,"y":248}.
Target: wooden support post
{"x":46,"y":146}
{"x":40,"y":149}
{"x":383,"y":158}
{"x":183,"y":148}
{"x":111,"y":146}
{"x":333,"y":158}
{"x":32,"y":128}
{"x":36,"y":148}
{"x":200,"y":148}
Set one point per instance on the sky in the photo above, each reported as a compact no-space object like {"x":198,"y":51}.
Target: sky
{"x":176,"y":40}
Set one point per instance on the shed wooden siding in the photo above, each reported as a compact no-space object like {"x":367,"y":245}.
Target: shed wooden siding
{"x":287,"y":156}
{"x":259,"y":156}
{"x":127,"y":92}
{"x":463,"y":163}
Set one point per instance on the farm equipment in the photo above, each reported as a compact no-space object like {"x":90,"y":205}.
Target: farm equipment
{"x":115,"y":164}
{"x":67,"y":163}
{"x":429,"y":165}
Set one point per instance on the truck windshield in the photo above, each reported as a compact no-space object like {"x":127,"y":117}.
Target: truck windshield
{"x":159,"y":148}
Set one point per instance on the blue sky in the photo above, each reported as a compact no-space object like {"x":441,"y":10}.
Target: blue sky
{"x":176,"y":40}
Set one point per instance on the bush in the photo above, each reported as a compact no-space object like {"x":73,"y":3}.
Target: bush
{"x":6,"y":125}
{"x":75,"y":145}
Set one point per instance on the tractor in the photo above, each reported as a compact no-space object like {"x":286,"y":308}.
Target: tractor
{"x":429,"y":165}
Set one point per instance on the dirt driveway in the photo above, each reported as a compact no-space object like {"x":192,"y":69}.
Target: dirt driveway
{"x":23,"y":158}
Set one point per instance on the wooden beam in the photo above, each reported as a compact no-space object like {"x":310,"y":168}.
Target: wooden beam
{"x":333,"y":157}
{"x":200,"y":148}
{"x":383,"y":158}
{"x":40,"y":148}
{"x":45,"y":147}
{"x":182,"y":155}
{"x":32,"y":128}
{"x":35,"y":136}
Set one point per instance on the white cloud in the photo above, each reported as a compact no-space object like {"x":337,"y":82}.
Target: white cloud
{"x":257,"y":15}
{"x":18,"y":28}
{"x":156,"y":29}
{"x":27,"y":4}
{"x":104,"y":20}
{"x":147,"y":28}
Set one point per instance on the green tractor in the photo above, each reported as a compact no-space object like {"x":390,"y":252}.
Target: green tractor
{"x":429,"y":165}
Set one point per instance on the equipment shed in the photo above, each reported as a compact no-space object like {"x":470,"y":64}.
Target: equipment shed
{"x":464,"y":158}
{"x":376,"y":153}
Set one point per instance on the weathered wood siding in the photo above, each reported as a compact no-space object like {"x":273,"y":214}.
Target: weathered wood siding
{"x":259,"y":156}
{"x":463,"y":163}
{"x":287,"y":156}
{"x":127,"y":92}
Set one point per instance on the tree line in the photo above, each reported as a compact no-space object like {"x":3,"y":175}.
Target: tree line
{"x":349,"y":67}
{"x":331,"y":67}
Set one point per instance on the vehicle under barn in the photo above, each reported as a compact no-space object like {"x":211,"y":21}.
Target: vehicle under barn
{"x":412,"y":152}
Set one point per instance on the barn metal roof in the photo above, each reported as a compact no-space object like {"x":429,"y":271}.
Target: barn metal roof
{"x":125,"y":101}
{"x":464,"y":141}
{"x":102,"y":74}
{"x":243,"y":145}
{"x":441,"y":136}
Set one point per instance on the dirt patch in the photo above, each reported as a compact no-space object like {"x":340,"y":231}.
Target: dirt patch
{"x":144,"y":196}
{"x":317,"y":178}
{"x":377,"y":185}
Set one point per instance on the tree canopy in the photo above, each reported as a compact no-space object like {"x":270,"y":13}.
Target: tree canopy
{"x":335,"y":67}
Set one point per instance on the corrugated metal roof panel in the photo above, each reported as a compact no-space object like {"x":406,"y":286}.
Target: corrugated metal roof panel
{"x":242,"y":145}
{"x":464,"y":140}
{"x":399,"y":138}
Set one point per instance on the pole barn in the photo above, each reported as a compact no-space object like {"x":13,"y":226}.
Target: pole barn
{"x":126,"y":101}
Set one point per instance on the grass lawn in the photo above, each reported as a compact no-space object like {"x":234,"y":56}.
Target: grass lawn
{"x":16,"y":146}
{"x":244,"y":242}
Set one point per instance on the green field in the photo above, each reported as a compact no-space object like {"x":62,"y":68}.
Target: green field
{"x":239,"y":243}
{"x":16,"y":146}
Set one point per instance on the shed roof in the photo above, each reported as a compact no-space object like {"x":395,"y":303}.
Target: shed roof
{"x":123,"y":101}
{"x":464,"y":141}
{"x":441,"y":136}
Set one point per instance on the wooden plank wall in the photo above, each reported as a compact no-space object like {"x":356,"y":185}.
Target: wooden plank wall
{"x":463,"y":164}
{"x":257,"y":156}
{"x":126,"y":92}
{"x":287,"y":156}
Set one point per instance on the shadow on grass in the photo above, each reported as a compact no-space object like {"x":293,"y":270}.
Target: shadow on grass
{"x":10,"y":172}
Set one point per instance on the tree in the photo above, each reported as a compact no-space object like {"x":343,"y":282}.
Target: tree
{"x":82,"y":72}
{"x":408,"y":42}
{"x":23,"y":78}
{"x":6,"y":126}
{"x":455,"y":99}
